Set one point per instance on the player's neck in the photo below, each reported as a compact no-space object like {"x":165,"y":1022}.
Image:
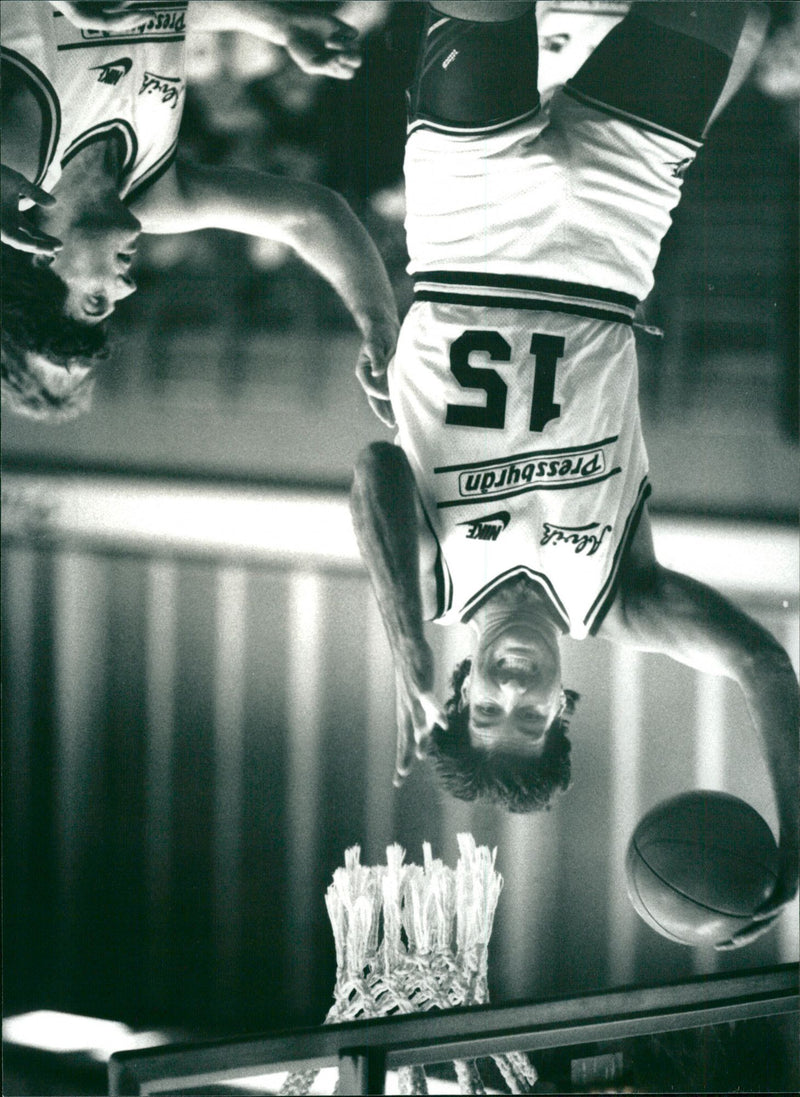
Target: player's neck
{"x":519,"y":597}
{"x":94,"y":169}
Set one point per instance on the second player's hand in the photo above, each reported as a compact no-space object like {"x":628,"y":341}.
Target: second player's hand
{"x":17,"y":230}
{"x":99,"y":14}
{"x":322,"y":45}
{"x":372,"y":368}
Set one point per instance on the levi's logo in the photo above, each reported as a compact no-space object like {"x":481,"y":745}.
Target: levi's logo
{"x":113,"y":71}
{"x":166,"y":88}
{"x":487,"y":528}
{"x":579,"y":537}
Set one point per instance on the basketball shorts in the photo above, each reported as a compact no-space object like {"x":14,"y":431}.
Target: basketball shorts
{"x":578,"y":192}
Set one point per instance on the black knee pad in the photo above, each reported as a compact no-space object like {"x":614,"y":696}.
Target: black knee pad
{"x":656,"y":74}
{"x":473,"y":76}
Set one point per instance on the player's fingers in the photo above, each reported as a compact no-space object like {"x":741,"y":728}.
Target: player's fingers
{"x":333,"y":32}
{"x":747,"y":936}
{"x":374,"y":384}
{"x":339,"y":67}
{"x":405,"y":746}
{"x":36,"y":243}
{"x":383,"y":410}
{"x":40,"y":196}
{"x":340,"y":33}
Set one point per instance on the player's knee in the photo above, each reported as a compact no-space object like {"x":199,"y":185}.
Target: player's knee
{"x":483,"y":11}
{"x":718,"y":24}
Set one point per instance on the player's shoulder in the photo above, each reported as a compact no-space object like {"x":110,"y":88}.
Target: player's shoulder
{"x":159,"y":207}
{"x":638,"y":575}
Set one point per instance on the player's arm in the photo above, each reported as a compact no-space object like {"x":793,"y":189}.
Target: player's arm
{"x":382,"y":503}
{"x":317,"y":42}
{"x":663,"y":611}
{"x":103,"y":15}
{"x":314,"y":221}
{"x":21,"y":126}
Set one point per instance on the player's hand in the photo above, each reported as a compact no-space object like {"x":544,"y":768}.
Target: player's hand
{"x":768,"y":913}
{"x":372,"y":368}
{"x":17,"y":229}
{"x":100,"y":14}
{"x":418,"y":710}
{"x":322,"y":45}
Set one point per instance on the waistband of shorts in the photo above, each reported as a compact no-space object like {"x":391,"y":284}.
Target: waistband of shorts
{"x":524,"y":292}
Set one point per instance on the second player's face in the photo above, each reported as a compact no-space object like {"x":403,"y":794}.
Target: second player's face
{"x":95,"y":261}
{"x":514,"y":688}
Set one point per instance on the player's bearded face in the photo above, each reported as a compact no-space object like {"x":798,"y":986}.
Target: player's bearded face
{"x":514,"y":688}
{"x":95,"y":260}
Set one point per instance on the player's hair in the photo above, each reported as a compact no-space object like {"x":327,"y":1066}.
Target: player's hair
{"x":519,"y":783}
{"x":34,"y":322}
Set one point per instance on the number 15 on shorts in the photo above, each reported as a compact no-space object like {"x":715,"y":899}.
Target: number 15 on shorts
{"x":546,"y":351}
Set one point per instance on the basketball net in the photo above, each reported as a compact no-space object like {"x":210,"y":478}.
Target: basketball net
{"x":410,"y":938}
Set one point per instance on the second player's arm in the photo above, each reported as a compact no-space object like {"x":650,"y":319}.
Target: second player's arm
{"x":314,"y":221}
{"x":663,"y":611}
{"x":382,"y":503}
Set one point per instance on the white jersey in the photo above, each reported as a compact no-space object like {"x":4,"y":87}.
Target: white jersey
{"x":573,"y":193}
{"x":557,"y":503}
{"x":90,"y":84}
{"x":515,"y":379}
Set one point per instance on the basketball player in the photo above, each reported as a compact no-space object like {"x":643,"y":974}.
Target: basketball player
{"x":515,"y":498}
{"x":91,"y":108}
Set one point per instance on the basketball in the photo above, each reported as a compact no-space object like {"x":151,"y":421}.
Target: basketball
{"x":699,"y":865}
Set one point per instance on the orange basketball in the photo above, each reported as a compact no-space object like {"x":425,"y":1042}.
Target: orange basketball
{"x":699,"y":865}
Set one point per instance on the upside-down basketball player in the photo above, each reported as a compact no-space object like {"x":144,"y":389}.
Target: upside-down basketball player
{"x":515,"y":497}
{"x":92,"y":100}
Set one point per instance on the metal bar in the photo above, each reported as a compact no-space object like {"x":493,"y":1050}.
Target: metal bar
{"x":626,"y":744}
{"x":361,"y":1071}
{"x":468,"y":1033}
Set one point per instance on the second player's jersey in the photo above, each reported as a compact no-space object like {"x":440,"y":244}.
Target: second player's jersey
{"x":522,"y":430}
{"x":90,"y":84}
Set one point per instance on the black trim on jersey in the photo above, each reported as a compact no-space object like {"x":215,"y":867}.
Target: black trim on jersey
{"x":88,"y":45}
{"x":45,"y":95}
{"x":153,"y":174}
{"x":539,"y":453}
{"x":529,"y":487}
{"x":608,"y":591}
{"x":100,"y":132}
{"x":625,"y":116}
{"x":473,"y":604}
{"x":443,"y":602}
{"x":526,"y":282}
{"x":521,"y":303}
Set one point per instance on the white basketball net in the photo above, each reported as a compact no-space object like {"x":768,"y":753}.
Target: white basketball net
{"x":411,"y":938}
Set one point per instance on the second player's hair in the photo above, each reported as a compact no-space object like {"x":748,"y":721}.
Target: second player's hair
{"x":34,"y":322}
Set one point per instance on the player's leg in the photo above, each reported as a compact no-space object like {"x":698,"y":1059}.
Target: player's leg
{"x":477,"y":66}
{"x":672,"y":64}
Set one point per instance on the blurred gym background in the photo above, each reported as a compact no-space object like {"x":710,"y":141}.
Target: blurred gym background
{"x":197,"y":697}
